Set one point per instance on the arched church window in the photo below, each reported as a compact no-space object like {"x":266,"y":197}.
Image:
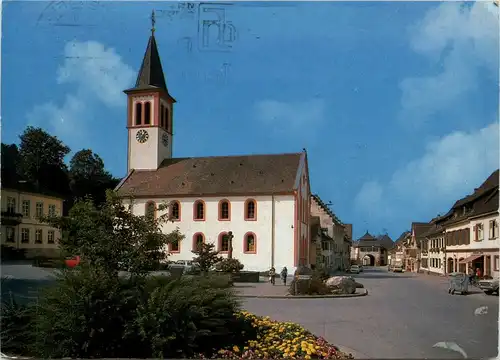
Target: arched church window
{"x":138,"y":113}
{"x":250,"y":210}
{"x":147,"y":113}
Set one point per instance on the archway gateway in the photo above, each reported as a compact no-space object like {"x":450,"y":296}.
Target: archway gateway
{"x":369,"y":260}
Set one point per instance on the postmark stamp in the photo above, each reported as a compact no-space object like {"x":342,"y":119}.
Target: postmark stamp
{"x":215,"y":31}
{"x":68,"y":13}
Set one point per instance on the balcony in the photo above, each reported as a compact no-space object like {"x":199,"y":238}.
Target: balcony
{"x":10,"y":218}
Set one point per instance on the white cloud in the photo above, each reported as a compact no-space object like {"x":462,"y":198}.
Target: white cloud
{"x":463,"y":38}
{"x":450,"y":166}
{"x":96,"y":71}
{"x":98,"y":75}
{"x":291,"y":116}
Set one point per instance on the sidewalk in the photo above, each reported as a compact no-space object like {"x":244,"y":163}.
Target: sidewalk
{"x":261,"y":289}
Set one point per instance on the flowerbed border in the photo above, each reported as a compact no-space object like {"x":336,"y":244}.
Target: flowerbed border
{"x":332,"y":296}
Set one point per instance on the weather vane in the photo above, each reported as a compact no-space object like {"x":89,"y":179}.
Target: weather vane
{"x":153,"y":22}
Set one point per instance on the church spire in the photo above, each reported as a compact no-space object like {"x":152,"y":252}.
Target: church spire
{"x":151,"y":75}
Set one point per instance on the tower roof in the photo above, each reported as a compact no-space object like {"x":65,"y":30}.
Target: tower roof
{"x":151,"y":75}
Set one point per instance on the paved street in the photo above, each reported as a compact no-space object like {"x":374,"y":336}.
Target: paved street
{"x":403,"y":316}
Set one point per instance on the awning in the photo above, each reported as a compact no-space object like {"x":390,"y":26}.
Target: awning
{"x":470,"y":258}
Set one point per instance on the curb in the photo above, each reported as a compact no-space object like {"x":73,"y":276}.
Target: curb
{"x":354,"y":353}
{"x":291,"y":297}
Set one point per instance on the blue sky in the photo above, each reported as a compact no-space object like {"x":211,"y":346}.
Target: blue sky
{"x":396,"y":102}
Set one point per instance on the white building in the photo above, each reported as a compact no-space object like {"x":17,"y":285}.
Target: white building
{"x":471,"y":230}
{"x":434,"y":249}
{"x":264,"y":200}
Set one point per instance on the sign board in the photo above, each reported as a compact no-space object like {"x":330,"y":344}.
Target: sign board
{"x":303,"y":277}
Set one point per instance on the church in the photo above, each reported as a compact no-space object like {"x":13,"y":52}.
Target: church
{"x":264,"y":200}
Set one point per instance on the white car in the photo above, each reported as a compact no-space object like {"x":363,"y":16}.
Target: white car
{"x":354,"y":269}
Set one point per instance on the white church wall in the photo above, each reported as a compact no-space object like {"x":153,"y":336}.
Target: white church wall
{"x":211,"y":227}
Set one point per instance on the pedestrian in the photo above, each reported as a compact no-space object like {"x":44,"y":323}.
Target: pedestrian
{"x":272,"y":275}
{"x":471,"y":274}
{"x":284,"y":274}
{"x":478,"y":273}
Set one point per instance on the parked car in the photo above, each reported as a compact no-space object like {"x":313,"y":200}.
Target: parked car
{"x":489,"y":286}
{"x":186,"y":264}
{"x":354,"y":269}
{"x":398,"y":268}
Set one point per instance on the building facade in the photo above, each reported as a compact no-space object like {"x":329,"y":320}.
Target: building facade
{"x":471,"y":231}
{"x":333,"y":235}
{"x":347,"y":246}
{"x":264,"y":200}
{"x":397,"y":255}
{"x":373,"y":251}
{"x":414,"y":246}
{"x":467,"y":236}
{"x":434,"y":250}
{"x":21,"y":228}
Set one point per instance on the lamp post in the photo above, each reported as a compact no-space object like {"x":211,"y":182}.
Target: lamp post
{"x":230,"y":241}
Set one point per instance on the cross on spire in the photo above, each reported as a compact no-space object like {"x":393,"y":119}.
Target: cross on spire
{"x":153,"y":22}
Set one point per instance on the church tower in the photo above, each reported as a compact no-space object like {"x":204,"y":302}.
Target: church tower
{"x":149,"y":113}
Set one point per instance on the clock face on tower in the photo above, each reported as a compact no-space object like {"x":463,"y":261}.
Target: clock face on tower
{"x":142,"y":136}
{"x":164,"y":140}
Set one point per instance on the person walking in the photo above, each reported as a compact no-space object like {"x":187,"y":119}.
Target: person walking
{"x":472,"y":274}
{"x":272,"y":275}
{"x":284,"y":274}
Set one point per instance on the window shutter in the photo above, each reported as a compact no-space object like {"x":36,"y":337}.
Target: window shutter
{"x":490,"y":228}
{"x":474,"y":230}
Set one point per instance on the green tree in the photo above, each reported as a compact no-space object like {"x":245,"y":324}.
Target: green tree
{"x":112,"y":238}
{"x":206,"y":257}
{"x":10,"y":164}
{"x":41,"y":160}
{"x":230,"y":266}
{"x":92,"y":312}
{"x":88,"y":176}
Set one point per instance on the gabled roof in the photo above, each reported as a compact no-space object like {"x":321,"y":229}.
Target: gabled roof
{"x":386,"y":241}
{"x":483,"y":201}
{"x":369,"y":240}
{"x":367,"y":236}
{"x":325,"y":208}
{"x":239,"y":175}
{"x":419,"y":228}
{"x":402,"y":237}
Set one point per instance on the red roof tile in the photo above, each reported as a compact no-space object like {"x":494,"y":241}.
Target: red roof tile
{"x":248,"y":174}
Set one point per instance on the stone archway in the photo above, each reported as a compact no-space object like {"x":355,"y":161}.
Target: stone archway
{"x":368,"y":260}
{"x":450,"y":267}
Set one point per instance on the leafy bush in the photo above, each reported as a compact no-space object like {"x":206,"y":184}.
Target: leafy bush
{"x":16,"y":327}
{"x":85,"y":315}
{"x":229,"y":266}
{"x":187,"y":316}
{"x":11,"y":253}
{"x":206,"y":257}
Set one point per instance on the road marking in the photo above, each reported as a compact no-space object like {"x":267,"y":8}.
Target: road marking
{"x":449,"y":345}
{"x":482,"y":310}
